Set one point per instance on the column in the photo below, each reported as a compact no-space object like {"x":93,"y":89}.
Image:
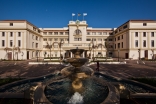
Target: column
{"x":71,"y":55}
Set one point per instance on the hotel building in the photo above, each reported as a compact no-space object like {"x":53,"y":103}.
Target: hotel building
{"x":134,"y":39}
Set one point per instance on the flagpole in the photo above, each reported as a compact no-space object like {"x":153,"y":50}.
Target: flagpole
{"x":77,"y":16}
{"x":83,"y":17}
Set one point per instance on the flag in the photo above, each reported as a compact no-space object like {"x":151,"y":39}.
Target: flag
{"x":78,"y":14}
{"x":73,"y":14}
{"x":84,"y":14}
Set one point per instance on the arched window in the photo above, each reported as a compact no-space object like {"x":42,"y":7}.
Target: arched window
{"x":77,"y":32}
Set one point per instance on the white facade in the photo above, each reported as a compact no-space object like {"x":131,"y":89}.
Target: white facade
{"x":124,"y":41}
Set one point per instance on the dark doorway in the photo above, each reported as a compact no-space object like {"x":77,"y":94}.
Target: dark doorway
{"x":146,"y":54}
{"x":27,"y":54}
{"x":126,"y":55}
{"x":9,"y":55}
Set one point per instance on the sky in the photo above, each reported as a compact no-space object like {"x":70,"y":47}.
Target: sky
{"x":58,"y":13}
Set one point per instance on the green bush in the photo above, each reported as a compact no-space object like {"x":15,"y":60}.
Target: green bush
{"x":8,"y":80}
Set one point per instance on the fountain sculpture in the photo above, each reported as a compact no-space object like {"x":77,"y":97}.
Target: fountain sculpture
{"x":79,"y":86}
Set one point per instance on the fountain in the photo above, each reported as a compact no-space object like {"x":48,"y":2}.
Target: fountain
{"x":79,"y":85}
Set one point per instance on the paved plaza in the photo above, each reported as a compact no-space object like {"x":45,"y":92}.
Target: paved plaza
{"x":131,"y":69}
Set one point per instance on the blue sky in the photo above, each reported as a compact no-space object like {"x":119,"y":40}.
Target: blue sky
{"x":57,"y":13}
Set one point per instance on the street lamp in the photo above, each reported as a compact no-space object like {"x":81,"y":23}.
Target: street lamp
{"x":118,"y":54}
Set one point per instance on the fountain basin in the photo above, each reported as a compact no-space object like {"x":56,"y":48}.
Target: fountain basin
{"x":77,"y":62}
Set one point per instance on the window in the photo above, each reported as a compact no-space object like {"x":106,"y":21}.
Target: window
{"x":144,"y":24}
{"x":61,"y":39}
{"x":19,"y":43}
{"x":136,"y":43}
{"x":66,"y":33}
{"x":152,"y":43}
{"x":50,"y":39}
{"x":104,"y":33}
{"x":19,"y":34}
{"x":39,"y":31}
{"x":11,"y":43}
{"x":136,"y":34}
{"x":61,"y":33}
{"x":55,"y":39}
{"x":115,"y":39}
{"x":115,"y":46}
{"x":105,"y":39}
{"x":122,"y":44}
{"x":32,"y":44}
{"x":118,"y":37}
{"x":11,"y":34}
{"x":99,"y":33}
{"x":34,"y":28}
{"x":122,"y":36}
{"x":88,"y":33}
{"x":55,"y":46}
{"x":77,"y":39}
{"x":36,"y":45}
{"x":50,"y":33}
{"x":94,"y":39}
{"x":99,"y":39}
{"x":55,"y":33}
{"x":110,"y":39}
{"x":45,"y":33}
{"x":144,"y":34}
{"x":118,"y":45}
{"x":88,"y":39}
{"x":3,"y":43}
{"x":152,"y":34}
{"x":36,"y":37}
{"x":110,"y":46}
{"x":44,"y":39}
{"x":11,"y":24}
{"x":144,"y":43}
{"x":3,"y":34}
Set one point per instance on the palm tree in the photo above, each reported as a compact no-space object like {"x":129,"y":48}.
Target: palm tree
{"x":7,"y":49}
{"x":92,"y":47}
{"x":60,"y":44}
{"x":49,"y":46}
{"x":107,"y":44}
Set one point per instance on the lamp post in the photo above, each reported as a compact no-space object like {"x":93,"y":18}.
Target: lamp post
{"x":118,"y":54}
{"x":139,"y":53}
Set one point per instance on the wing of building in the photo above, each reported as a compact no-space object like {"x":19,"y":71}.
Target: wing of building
{"x":134,"y":39}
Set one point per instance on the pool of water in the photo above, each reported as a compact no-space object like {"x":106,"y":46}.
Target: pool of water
{"x":92,"y":91}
